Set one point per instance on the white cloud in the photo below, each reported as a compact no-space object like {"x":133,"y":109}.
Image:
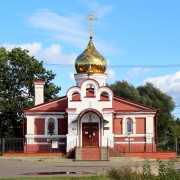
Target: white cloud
{"x":71,"y":76}
{"x":52,"y":54}
{"x":71,"y":29}
{"x":66,"y":28}
{"x":48,"y":20}
{"x":33,"y":48}
{"x":111,"y":74}
{"x":169,"y":84}
{"x":136,"y":71}
{"x":100,"y":10}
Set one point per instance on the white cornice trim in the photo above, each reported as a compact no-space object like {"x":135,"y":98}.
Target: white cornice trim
{"x":136,"y":115}
{"x":45,"y":143}
{"x":44,"y":136}
{"x":134,"y":135}
{"x":142,"y":142}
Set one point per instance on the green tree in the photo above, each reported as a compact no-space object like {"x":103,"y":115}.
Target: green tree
{"x":123,"y":89}
{"x":18,"y":70}
{"x":175,"y":129}
{"x":151,"y":96}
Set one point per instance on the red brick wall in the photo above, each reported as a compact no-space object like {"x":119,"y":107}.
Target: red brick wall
{"x":42,"y":148}
{"x":154,"y":155}
{"x":124,"y":106}
{"x":39,"y":126}
{"x":55,"y":106}
{"x":117,"y":126}
{"x":62,"y":126}
{"x":143,"y":147}
{"x":140,"y":126}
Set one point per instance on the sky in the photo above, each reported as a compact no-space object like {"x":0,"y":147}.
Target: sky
{"x":140,"y":39}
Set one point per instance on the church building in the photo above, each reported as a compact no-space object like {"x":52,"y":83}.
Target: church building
{"x":89,"y":119}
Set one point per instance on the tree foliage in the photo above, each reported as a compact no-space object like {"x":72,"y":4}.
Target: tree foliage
{"x":149,"y":95}
{"x":125,"y":90}
{"x":152,"y":96}
{"x":18,"y":70}
{"x":175,"y":129}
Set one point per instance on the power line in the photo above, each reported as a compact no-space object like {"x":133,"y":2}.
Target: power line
{"x":176,"y":113}
{"x":177,"y":106}
{"x":125,"y":66}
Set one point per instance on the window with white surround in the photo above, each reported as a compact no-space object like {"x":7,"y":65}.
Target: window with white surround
{"x":104,"y":96}
{"x":51,"y":126}
{"x":129,"y":125}
{"x":76,"y":96}
{"x":90,"y":90}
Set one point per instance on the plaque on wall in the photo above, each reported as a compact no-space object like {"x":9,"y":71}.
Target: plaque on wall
{"x":54,"y":144}
{"x":106,"y":128}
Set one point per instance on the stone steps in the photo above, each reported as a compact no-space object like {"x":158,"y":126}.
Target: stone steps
{"x":91,"y":153}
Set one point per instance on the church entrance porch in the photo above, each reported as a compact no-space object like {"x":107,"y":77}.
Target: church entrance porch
{"x":90,"y":134}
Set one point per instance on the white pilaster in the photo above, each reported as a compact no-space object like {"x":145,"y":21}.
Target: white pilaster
{"x":30,"y":125}
{"x":149,"y":125}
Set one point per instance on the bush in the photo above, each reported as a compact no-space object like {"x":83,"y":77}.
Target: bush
{"x":124,"y":173}
{"x":147,"y":174}
{"x":165,"y":172}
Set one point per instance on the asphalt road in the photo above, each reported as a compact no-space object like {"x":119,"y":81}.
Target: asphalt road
{"x":17,"y":168}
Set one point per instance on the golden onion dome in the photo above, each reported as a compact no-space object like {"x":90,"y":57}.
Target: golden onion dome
{"x":90,"y":61}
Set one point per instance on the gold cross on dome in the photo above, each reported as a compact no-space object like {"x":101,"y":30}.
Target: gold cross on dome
{"x":91,"y":18}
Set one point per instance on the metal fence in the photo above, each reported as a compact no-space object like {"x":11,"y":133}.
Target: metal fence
{"x":45,"y":145}
{"x":143,"y":144}
{"x":178,"y":148}
{"x":32,"y":145}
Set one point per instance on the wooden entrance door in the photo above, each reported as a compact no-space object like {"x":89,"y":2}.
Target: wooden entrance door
{"x":90,"y":134}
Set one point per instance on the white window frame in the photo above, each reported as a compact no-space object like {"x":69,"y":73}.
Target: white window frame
{"x":124,"y":128}
{"x":55,"y":125}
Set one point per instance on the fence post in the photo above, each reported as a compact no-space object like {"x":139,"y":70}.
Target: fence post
{"x":176,"y":146}
{"x":129,"y":145}
{"x":152,"y":145}
{"x":26,"y":145}
{"x":3,"y":146}
{"x":107,"y":150}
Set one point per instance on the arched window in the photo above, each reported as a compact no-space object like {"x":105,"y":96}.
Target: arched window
{"x":90,"y":90}
{"x":76,"y":96}
{"x":104,"y":96}
{"x":51,"y":126}
{"x":129,"y":126}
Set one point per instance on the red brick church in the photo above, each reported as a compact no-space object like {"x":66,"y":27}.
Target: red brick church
{"x":89,"y":118}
